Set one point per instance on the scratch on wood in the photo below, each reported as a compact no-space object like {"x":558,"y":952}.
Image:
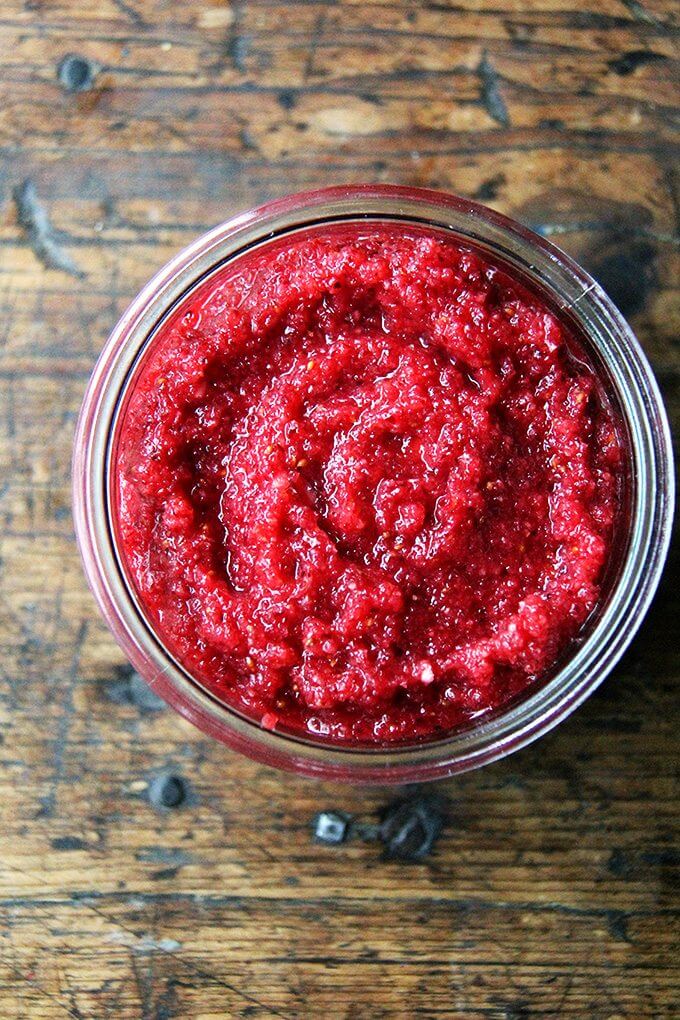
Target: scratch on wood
{"x":130,"y":13}
{"x":40,"y":232}
{"x":491,"y":96}
{"x":71,"y":1011}
{"x":192,"y":967}
{"x":126,"y":934}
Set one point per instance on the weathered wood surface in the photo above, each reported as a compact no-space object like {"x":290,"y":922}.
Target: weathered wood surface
{"x":553,"y":891}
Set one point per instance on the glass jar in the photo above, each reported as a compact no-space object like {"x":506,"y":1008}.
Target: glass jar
{"x":576,"y":298}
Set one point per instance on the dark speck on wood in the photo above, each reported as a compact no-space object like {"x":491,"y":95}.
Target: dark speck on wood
{"x":76,"y":74}
{"x":287,"y":99}
{"x":239,"y":48}
{"x":491,"y":97}
{"x":518,"y":1009}
{"x":164,"y":874}
{"x":40,"y":233}
{"x":167,"y":791}
{"x":619,"y":865}
{"x":172,"y":857}
{"x":617,"y":923}
{"x":68,"y":843}
{"x":490,"y":188}
{"x":519,"y":32}
{"x":247,"y":140}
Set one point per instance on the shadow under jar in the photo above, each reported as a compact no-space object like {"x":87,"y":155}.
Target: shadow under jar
{"x":298,"y":732}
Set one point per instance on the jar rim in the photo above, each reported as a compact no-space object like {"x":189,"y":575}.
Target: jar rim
{"x":652,"y":498}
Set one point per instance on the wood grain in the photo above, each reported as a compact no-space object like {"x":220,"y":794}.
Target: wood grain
{"x":553,"y":891}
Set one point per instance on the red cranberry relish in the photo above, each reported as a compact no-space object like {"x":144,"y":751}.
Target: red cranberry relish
{"x":367,"y":485}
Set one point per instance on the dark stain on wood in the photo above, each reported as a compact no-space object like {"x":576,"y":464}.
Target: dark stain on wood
{"x":287,"y":99}
{"x":520,"y":32}
{"x":238,"y":51}
{"x":629,"y":62}
{"x":173,"y":856}
{"x":618,"y":925}
{"x":490,"y":92}
{"x":616,"y":242}
{"x":128,"y":688}
{"x":68,"y":843}
{"x":490,"y":188}
{"x":41,"y":235}
{"x":627,"y":269}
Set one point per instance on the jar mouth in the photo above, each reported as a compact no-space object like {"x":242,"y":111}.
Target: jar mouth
{"x":574,"y":295}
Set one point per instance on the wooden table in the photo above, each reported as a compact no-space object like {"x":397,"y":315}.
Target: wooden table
{"x":551,"y":890}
